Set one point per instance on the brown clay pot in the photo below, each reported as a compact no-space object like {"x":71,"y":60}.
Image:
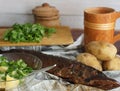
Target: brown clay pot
{"x":46,"y":15}
{"x":49,"y":22}
{"x":47,"y":18}
{"x":45,"y":10}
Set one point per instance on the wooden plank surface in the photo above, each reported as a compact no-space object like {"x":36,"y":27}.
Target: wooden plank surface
{"x":62,"y":36}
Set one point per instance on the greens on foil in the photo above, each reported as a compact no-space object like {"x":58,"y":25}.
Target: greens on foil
{"x":16,"y":69}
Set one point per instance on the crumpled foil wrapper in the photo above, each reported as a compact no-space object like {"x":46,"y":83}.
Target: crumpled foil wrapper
{"x":48,"y":82}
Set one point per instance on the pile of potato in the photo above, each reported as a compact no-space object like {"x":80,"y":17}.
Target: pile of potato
{"x":100,"y":55}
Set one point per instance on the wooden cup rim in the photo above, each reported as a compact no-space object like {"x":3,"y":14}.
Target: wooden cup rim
{"x":99,"y":10}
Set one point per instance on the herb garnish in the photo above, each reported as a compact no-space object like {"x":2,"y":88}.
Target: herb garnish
{"x":27,"y":33}
{"x":17,"y":69}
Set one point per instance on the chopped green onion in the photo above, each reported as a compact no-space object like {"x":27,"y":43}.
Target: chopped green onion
{"x":27,"y":33}
{"x":17,"y":69}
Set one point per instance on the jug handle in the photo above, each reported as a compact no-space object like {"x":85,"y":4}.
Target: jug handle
{"x":117,"y":36}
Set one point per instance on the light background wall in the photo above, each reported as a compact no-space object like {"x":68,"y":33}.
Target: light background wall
{"x":71,"y":11}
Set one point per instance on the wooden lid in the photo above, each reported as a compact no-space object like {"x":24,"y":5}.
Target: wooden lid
{"x":45,"y":10}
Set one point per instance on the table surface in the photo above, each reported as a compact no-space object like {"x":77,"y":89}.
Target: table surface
{"x":77,"y":32}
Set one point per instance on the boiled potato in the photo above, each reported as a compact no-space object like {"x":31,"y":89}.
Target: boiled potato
{"x":102,"y":50}
{"x":90,"y":60}
{"x":3,"y":68}
{"x":11,"y":82}
{"x":2,"y":82}
{"x":113,"y":64}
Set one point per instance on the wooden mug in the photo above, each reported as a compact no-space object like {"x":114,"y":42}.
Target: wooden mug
{"x":99,"y":24}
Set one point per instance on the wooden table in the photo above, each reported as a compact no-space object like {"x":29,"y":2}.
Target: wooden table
{"x":77,"y":32}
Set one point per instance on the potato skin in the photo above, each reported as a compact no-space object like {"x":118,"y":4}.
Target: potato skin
{"x":104,"y":51}
{"x":113,"y":64}
{"x":90,"y":60}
